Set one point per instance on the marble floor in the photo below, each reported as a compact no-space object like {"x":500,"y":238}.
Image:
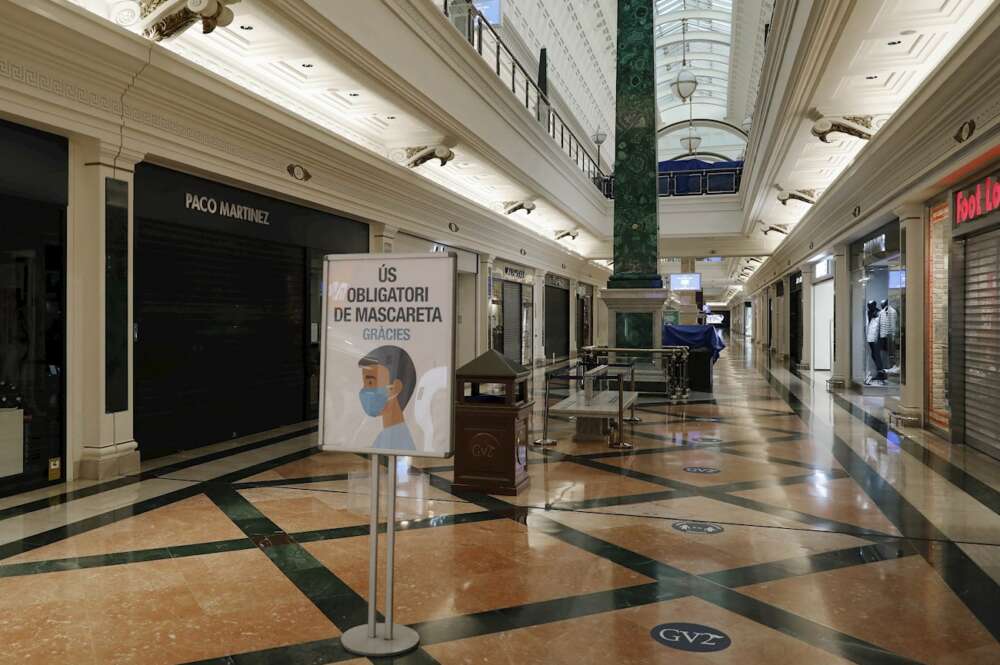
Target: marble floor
{"x":775,"y":523}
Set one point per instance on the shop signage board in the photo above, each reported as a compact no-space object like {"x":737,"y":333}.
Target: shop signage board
{"x":388,"y":361}
{"x":972,"y":204}
{"x":515,"y":274}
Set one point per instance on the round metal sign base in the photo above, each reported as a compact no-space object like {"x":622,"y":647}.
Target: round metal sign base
{"x":544,"y":442}
{"x":624,"y":445}
{"x":356,"y":640}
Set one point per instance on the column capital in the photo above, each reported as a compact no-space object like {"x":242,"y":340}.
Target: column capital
{"x":110,"y":155}
{"x":909,"y":211}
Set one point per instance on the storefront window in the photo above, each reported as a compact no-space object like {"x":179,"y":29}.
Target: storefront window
{"x":878,"y":286}
{"x":511,"y":313}
{"x":938,"y":251}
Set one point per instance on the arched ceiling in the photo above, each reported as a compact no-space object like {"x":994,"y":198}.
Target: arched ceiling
{"x":693,"y":35}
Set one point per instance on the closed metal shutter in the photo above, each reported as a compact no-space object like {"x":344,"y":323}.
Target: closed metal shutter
{"x":512,"y":321}
{"x":982,"y":342}
{"x":221,"y":335}
{"x":556,"y":322}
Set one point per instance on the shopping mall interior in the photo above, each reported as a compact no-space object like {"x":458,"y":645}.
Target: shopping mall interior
{"x":462,"y":332}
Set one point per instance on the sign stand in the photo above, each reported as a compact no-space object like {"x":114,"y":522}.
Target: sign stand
{"x":373,"y":638}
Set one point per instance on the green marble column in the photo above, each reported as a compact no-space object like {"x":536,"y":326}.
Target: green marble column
{"x":636,"y":227}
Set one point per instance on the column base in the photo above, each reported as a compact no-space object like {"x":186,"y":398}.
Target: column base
{"x":109,"y":462}
{"x":903,"y":416}
{"x":835,"y":383}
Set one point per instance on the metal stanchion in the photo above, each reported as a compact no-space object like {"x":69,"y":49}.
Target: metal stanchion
{"x":620,"y":441}
{"x":380,"y":639}
{"x":632,"y":418}
{"x":545,"y":440}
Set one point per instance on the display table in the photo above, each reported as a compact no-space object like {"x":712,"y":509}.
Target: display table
{"x":592,"y":414}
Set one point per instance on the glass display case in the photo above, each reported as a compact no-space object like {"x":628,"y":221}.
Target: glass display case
{"x":878,"y":290}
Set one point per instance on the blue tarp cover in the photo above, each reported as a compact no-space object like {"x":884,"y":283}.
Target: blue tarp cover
{"x":695,"y":337}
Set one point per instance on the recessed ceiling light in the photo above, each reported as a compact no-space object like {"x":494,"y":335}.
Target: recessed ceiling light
{"x":307,"y":65}
{"x":894,"y":42}
{"x":246,"y":27}
{"x":872,"y":77}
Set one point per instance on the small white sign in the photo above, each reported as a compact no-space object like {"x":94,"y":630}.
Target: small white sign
{"x":388,"y":343}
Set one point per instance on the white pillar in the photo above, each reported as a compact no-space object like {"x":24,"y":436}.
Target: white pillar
{"x":484,"y":295}
{"x":100,"y":445}
{"x":381,"y":238}
{"x":572,"y":318}
{"x":841,"y":375}
{"x":805,"y":360}
{"x":909,"y":406}
{"x":687,"y":309}
{"x":538,"y":348}
{"x":602,"y":319}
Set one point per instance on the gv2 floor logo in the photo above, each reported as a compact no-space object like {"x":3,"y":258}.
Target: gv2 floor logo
{"x":691,"y":637}
{"x":701,"y":469}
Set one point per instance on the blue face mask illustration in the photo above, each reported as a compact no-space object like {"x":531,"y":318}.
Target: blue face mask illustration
{"x":373,"y":400}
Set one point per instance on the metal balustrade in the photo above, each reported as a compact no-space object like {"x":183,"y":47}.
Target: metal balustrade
{"x":690,"y":183}
{"x":488,"y":44}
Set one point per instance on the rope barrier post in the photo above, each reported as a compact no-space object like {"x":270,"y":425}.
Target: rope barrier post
{"x":545,"y":441}
{"x":620,"y":443}
{"x":632,"y":418}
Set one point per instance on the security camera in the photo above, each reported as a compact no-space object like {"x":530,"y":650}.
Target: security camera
{"x":572,"y":235}
{"x":442,"y":152}
{"x":212,"y":11}
{"x":526,"y":206}
{"x":823,"y":127}
{"x":783,"y":197}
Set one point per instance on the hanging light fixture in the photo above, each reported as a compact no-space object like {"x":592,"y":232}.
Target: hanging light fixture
{"x":685,"y":83}
{"x":692,"y":140}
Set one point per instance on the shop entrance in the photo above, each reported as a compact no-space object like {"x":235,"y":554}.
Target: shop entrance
{"x":32,"y":343}
{"x":228,"y":288}
{"x":981,"y":319}
{"x":220,"y":349}
{"x":878,"y":283}
{"x":795,"y":319}
{"x":557,"y":320}
{"x":34,"y":176}
{"x":822,"y":326}
{"x":510,"y":331}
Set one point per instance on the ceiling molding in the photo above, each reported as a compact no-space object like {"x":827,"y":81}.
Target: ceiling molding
{"x":914,"y":149}
{"x":73,"y":73}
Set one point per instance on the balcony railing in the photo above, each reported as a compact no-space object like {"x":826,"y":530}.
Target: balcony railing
{"x":690,"y":183}
{"x":484,"y":39}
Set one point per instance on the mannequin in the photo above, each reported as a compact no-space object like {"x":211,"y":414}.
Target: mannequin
{"x":872,"y":338}
{"x":887,"y":319}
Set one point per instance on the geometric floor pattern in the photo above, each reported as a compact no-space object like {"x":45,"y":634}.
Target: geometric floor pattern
{"x":772,"y":524}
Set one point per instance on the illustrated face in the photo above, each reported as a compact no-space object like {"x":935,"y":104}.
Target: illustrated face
{"x":377,"y":376}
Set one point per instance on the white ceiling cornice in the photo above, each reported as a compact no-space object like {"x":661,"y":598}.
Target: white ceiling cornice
{"x":914,"y":152}
{"x":70,"y":72}
{"x":548,"y":170}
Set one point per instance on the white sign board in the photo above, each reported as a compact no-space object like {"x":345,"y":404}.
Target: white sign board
{"x":388,"y":347}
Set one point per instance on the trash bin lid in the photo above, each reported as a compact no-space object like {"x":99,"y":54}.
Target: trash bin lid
{"x":492,"y":365}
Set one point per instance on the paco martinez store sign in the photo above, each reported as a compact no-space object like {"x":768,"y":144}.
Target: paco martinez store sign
{"x":212,"y":206}
{"x":977,"y":200}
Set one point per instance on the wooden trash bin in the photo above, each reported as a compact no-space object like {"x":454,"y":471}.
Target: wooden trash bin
{"x":492,"y":424}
